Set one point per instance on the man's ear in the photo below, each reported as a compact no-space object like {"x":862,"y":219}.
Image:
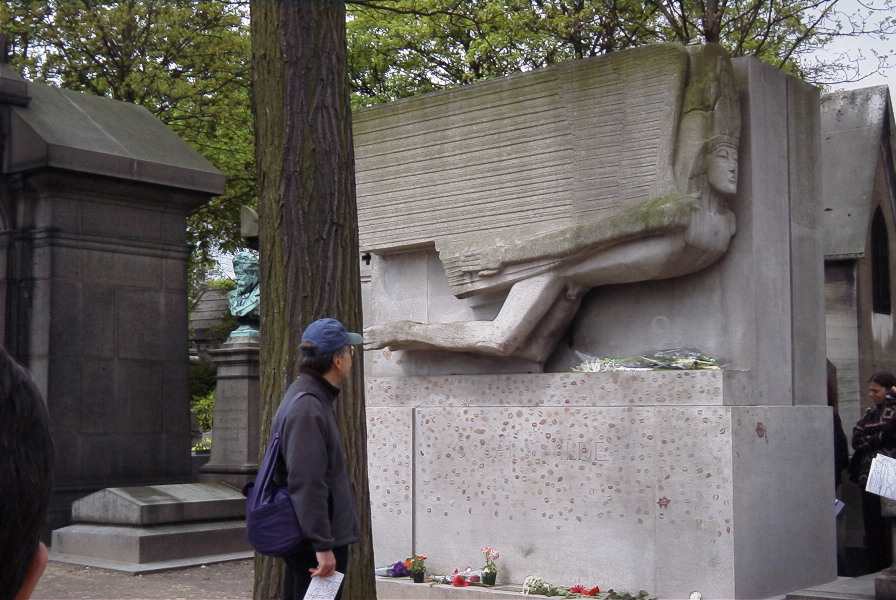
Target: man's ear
{"x":35,"y":570}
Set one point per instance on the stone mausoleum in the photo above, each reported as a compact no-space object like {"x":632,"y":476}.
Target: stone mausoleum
{"x":654,"y":198}
{"x":93,"y":199}
{"x":859,"y":236}
{"x":859,"y":218}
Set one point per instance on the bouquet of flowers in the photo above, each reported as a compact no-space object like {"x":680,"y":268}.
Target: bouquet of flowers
{"x":584,"y":590}
{"x":398,"y":570}
{"x":491,"y":555}
{"x":415,"y":563}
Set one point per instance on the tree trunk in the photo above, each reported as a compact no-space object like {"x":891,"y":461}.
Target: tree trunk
{"x":308,"y":227}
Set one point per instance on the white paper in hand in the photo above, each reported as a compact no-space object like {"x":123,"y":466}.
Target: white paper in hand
{"x":882,"y":477}
{"x":324,"y":588}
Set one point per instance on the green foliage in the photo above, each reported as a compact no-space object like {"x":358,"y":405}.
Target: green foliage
{"x":220,"y":332}
{"x":221,"y":284}
{"x":185,"y":61}
{"x":400,"y":48}
{"x":203,"y":445}
{"x":203,"y":408}
{"x":202,"y":378}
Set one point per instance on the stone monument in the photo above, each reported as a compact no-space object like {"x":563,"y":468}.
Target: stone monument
{"x":245,"y":299}
{"x":236,"y":426}
{"x":674,"y":221}
{"x":94,"y":195}
{"x":658,"y":197}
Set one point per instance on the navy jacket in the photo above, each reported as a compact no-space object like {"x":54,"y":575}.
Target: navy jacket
{"x":314,"y":463}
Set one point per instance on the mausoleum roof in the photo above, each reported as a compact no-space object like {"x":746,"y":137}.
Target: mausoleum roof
{"x":85,"y":133}
{"x":853,"y":124}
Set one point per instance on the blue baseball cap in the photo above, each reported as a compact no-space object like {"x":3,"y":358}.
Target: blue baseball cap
{"x":326,"y":336}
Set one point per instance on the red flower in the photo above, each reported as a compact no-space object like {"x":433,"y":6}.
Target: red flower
{"x":459,"y":581}
{"x":593,"y":591}
{"x":578,"y":589}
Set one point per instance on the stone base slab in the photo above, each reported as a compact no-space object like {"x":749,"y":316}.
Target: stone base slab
{"x":623,"y":493}
{"x":388,"y":588}
{"x":843,"y":588}
{"x":147,"y":545}
{"x":160,"y":504}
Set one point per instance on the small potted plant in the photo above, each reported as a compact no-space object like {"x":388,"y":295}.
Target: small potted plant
{"x":416,"y":566}
{"x":489,"y":570}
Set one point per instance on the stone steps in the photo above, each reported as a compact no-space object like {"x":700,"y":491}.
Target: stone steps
{"x":154,"y":528}
{"x":152,"y":548}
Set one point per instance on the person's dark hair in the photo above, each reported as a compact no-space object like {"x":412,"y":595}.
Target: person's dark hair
{"x":314,"y":362}
{"x":26,"y":465}
{"x":884,"y":379}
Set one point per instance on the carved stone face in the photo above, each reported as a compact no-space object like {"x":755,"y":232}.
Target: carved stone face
{"x":721,"y":168}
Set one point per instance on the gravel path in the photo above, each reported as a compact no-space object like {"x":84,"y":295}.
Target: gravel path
{"x":224,"y":581}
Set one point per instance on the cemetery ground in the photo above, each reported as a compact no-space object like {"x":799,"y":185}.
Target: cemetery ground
{"x":233,"y":581}
{"x":222,"y":581}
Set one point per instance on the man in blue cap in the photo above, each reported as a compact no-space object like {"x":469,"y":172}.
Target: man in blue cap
{"x":313,"y":465}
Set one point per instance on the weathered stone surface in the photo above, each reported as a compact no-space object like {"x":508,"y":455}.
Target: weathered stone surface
{"x":160,"y":504}
{"x":614,"y":388}
{"x":783,"y":460}
{"x":13,"y":89}
{"x":389,"y":463}
{"x":475,"y":159}
{"x":207,"y":316}
{"x":631,"y":492}
{"x":852,"y":123}
{"x":126,"y":548}
{"x":91,"y":134}
{"x":98,"y":195}
{"x":235,"y":446}
{"x":755,"y":309}
{"x":647,"y":196}
{"x":746,"y":309}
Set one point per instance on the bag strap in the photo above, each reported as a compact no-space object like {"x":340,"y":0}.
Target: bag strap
{"x":272,"y":454}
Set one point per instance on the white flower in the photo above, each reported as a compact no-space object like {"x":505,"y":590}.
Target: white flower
{"x":531,"y":584}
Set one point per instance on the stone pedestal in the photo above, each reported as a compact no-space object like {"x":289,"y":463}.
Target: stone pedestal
{"x":885,"y":582}
{"x":638,"y":480}
{"x":154,"y":528}
{"x":719,"y":482}
{"x":234,"y":456}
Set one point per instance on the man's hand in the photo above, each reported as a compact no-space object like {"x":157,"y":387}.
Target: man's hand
{"x":326,"y":564}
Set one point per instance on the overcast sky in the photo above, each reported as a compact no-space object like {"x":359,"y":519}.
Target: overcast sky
{"x":865,"y":47}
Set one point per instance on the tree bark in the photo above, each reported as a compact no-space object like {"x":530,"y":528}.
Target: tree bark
{"x":308,"y":228}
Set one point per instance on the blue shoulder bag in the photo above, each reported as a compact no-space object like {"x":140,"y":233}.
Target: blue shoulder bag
{"x":271,"y":522}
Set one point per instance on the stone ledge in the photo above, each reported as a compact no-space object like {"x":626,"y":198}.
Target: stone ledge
{"x":647,"y":387}
{"x":148,"y":545}
{"x":160,"y":504}
{"x":843,"y":588}
{"x":400,"y":588}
